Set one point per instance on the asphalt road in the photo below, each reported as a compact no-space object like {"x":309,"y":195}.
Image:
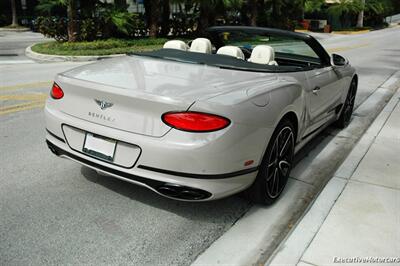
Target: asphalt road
{"x":53,"y":211}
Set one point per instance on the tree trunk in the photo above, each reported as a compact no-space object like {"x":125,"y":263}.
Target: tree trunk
{"x":121,"y":4}
{"x":277,"y":18}
{"x":203,"y":19}
{"x":14,"y":14}
{"x":152,"y":8}
{"x":253,"y":12}
{"x":360,"y":18}
{"x":165,"y":27}
{"x":72,"y":21}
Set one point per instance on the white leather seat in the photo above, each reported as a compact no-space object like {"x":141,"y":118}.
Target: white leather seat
{"x":231,"y":51}
{"x":176,"y":44}
{"x":263,"y":54}
{"x":201,"y":45}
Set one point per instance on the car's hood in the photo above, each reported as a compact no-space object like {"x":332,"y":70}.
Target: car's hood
{"x":168,"y":78}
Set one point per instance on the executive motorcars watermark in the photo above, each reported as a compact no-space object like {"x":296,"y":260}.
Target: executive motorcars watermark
{"x":366,"y":260}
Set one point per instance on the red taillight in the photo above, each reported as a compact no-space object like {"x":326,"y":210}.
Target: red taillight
{"x":56,"y":92}
{"x":195,"y":121}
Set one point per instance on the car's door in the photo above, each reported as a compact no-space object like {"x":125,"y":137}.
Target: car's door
{"x":323,"y":95}
{"x":322,"y":89}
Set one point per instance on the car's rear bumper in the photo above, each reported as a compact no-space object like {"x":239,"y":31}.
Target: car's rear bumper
{"x":177,"y":184}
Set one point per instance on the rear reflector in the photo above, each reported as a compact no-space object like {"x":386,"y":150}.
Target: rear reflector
{"x":56,"y":92}
{"x":195,"y":121}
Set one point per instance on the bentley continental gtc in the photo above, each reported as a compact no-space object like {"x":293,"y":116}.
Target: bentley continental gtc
{"x":206,"y":119}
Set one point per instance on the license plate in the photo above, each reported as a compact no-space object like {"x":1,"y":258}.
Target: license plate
{"x":100,"y":147}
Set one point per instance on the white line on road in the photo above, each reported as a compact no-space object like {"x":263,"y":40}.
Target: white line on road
{"x":13,"y":62}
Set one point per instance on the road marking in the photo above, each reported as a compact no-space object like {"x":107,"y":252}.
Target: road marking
{"x":15,"y":62}
{"x":21,"y":107}
{"x":33,"y":85}
{"x":34,"y":101}
{"x":345,"y":48}
{"x":24,"y":97}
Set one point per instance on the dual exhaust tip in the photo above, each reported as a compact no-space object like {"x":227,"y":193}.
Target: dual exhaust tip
{"x":182,"y":192}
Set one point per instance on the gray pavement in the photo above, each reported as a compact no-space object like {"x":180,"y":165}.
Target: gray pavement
{"x":13,"y":44}
{"x":52,"y":211}
{"x":356,"y":218}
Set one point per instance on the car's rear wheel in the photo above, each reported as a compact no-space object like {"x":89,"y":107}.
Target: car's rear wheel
{"x":275,"y":167}
{"x":347,"y":110}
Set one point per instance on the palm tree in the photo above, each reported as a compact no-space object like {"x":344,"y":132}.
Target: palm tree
{"x":152,"y":8}
{"x":72,"y":21}
{"x":313,"y":5}
{"x":378,"y":9}
{"x":252,"y":5}
{"x":14,"y":14}
{"x":165,"y":23}
{"x":343,"y":7}
{"x":360,"y":17}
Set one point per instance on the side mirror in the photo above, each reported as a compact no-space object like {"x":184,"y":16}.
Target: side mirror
{"x":338,"y":60}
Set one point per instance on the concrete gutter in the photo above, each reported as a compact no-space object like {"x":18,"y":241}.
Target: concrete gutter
{"x":253,"y":239}
{"x":63,"y":58}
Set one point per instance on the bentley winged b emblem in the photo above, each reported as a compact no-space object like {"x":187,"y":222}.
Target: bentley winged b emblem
{"x":103,"y":104}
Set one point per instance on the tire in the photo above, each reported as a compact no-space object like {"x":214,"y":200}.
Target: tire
{"x":275,"y":166}
{"x":348,"y":106}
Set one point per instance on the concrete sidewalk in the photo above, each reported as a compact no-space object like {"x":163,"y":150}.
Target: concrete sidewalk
{"x":356,"y":218}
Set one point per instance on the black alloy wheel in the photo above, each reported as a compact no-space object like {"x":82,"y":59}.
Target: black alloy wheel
{"x":347,"y":110}
{"x":275,"y":167}
{"x":279,"y":163}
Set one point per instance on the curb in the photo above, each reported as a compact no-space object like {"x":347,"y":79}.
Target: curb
{"x":65,"y":58}
{"x":258,"y":236}
{"x":15,"y":29}
{"x":292,"y":248}
{"x":345,"y":32}
{"x":348,"y":32}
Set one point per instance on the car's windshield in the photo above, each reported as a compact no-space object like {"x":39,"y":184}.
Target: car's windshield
{"x":282,"y":45}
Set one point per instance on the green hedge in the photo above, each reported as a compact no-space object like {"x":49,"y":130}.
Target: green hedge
{"x":99,"y":47}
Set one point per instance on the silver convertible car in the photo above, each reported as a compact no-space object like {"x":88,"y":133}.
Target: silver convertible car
{"x":206,"y":119}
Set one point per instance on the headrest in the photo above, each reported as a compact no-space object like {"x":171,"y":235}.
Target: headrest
{"x":201,"y":45}
{"x":262,"y":54}
{"x":231,"y":51}
{"x":176,"y":44}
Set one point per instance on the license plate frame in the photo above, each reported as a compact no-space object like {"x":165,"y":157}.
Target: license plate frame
{"x":99,"y":147}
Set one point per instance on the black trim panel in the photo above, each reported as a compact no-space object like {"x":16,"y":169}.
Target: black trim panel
{"x":58,"y":151}
{"x":312,"y":132}
{"x":55,"y":136}
{"x":155,"y":184}
{"x":200,"y":176}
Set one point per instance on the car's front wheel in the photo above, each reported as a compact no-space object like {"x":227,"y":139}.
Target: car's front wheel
{"x":275,"y":167}
{"x":348,"y":106}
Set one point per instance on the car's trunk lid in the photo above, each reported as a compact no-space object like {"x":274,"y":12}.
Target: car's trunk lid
{"x":141,"y":89}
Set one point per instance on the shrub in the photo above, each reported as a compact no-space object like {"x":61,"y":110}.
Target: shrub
{"x":104,"y":21}
{"x":89,"y":30}
{"x":53,"y":27}
{"x":99,"y":47}
{"x":183,"y":24}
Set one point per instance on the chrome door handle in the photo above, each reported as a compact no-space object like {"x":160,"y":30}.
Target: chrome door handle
{"x":315,"y":90}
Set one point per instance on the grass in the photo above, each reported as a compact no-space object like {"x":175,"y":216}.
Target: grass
{"x":99,"y":47}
